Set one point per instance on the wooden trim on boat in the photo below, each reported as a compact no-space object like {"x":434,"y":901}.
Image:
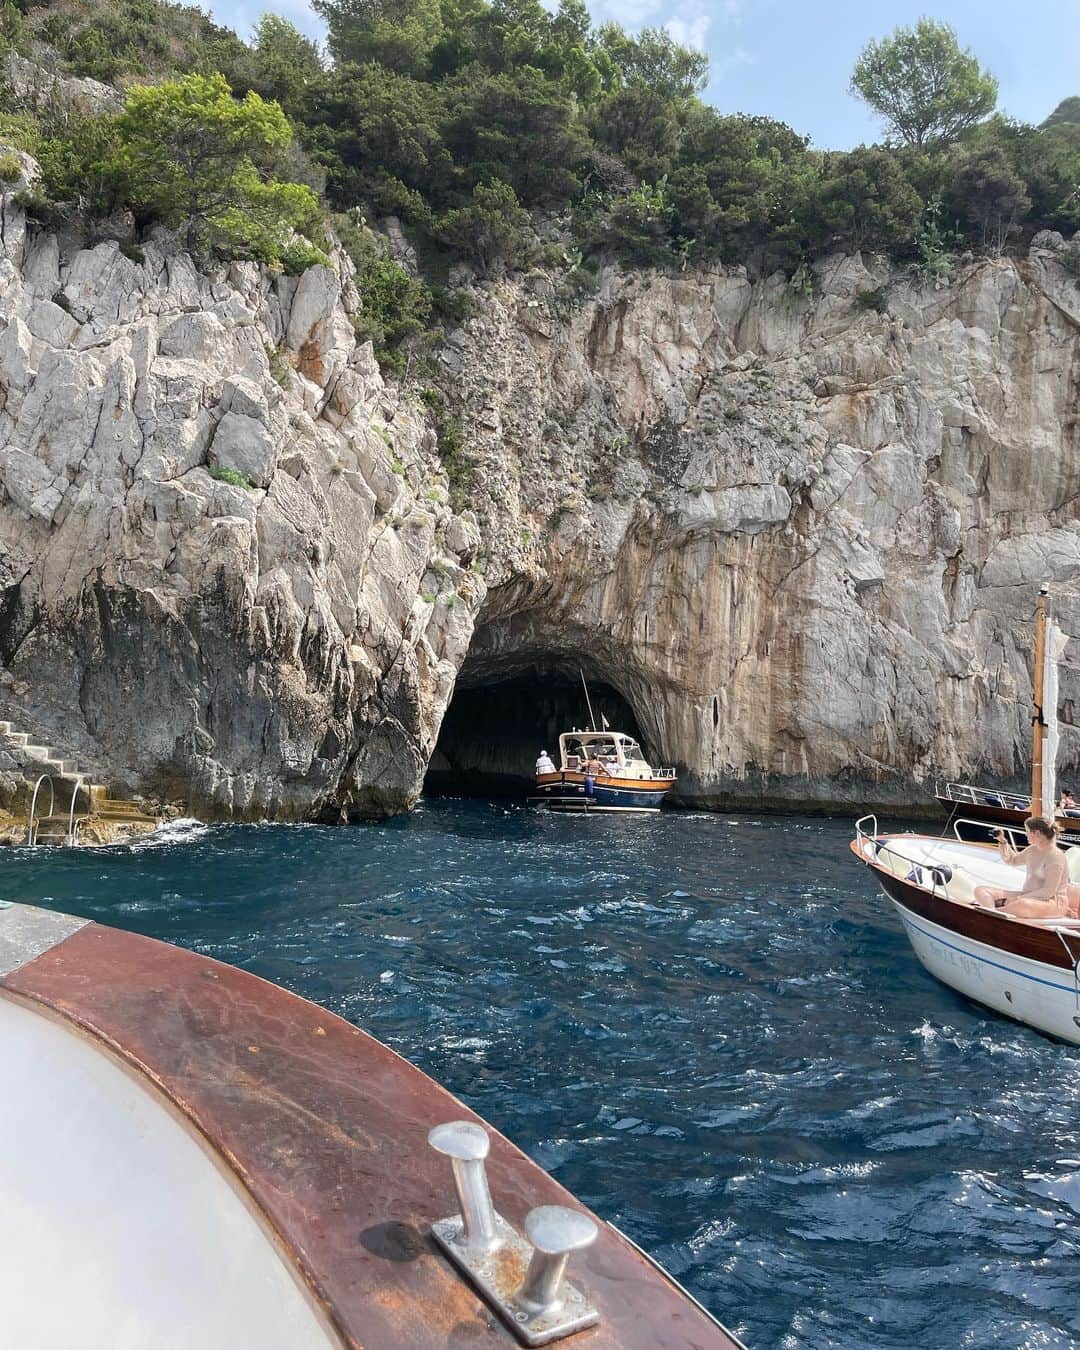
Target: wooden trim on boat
{"x":326,"y":1130}
{"x":603,"y":780}
{"x":988,"y":926}
{"x":993,"y":815}
{"x":1002,"y":815}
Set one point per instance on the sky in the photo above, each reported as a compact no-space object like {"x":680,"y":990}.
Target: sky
{"x":792,"y":59}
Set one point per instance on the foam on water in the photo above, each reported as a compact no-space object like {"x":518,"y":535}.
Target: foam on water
{"x":181,"y":831}
{"x":712,"y":1030}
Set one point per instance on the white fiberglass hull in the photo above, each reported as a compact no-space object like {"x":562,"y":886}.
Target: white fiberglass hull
{"x":112,"y":1204}
{"x":1042,"y":996}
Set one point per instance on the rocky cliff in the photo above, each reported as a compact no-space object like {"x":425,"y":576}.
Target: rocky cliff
{"x":220,"y":533}
{"x":799,"y":535}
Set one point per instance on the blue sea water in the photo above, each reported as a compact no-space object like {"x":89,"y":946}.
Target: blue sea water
{"x":711,"y":1029}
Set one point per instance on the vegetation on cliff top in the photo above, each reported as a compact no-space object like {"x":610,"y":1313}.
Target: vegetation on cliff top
{"x":472,"y":120}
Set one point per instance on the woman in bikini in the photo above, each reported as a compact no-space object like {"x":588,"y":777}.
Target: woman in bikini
{"x":1045,"y":892}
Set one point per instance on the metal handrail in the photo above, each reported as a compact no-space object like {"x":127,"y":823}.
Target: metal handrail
{"x":937,"y":879}
{"x":72,"y":825}
{"x":975,"y":795}
{"x":1016,"y":832}
{"x":881,"y":846}
{"x":31,"y":823}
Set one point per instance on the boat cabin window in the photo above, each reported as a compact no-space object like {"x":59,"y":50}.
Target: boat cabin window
{"x":613,"y":747}
{"x":579,"y":749}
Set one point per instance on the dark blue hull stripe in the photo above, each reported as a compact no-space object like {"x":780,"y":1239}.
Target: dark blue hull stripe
{"x":1036,"y":979}
{"x":602,"y":796}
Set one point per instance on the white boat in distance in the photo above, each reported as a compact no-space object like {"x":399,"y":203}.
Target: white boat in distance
{"x":1028,"y":969}
{"x":627,"y":782}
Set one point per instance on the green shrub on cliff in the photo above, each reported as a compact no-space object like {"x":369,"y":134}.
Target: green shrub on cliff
{"x":204,"y":162}
{"x":395,"y":305}
{"x":867,"y":200}
{"x":472,"y":119}
{"x":80,"y":172}
{"x":491,"y":231}
{"x":989,"y":196}
{"x":110,"y":40}
{"x":233,"y":477}
{"x":185,"y":153}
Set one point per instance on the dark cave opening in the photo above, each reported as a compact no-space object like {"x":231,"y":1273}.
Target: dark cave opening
{"x":493,"y":732}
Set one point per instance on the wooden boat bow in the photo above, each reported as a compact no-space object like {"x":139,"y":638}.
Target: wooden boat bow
{"x":324,"y":1130}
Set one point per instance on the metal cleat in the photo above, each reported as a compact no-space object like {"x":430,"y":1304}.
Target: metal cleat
{"x":467,"y":1145}
{"x":523,"y":1283}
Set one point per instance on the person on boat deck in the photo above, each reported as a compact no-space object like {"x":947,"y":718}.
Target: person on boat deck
{"x":1067,"y":803}
{"x":544,"y":763}
{"x":593,"y":769}
{"x":1045,"y":892}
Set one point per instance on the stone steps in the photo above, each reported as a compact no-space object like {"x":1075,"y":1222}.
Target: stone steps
{"x":42,"y":760}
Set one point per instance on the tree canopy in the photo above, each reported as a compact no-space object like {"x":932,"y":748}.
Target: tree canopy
{"x":197,"y":158}
{"x":506,"y":131}
{"x":927,"y":89}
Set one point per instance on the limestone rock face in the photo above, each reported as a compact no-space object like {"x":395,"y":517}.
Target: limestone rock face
{"x":257,"y":650}
{"x":800,"y":537}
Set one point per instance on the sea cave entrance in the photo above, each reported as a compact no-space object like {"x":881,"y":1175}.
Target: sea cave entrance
{"x":496,"y":725}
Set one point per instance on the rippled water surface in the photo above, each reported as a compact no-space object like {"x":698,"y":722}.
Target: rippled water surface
{"x":711,"y":1029}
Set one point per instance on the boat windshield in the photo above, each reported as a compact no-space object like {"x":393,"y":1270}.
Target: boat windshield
{"x":580,"y":746}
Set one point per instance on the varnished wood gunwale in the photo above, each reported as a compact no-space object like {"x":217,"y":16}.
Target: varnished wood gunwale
{"x":993,"y":815}
{"x":603,"y":780}
{"x":1001,"y":815}
{"x":326,"y":1129}
{"x":988,"y":926}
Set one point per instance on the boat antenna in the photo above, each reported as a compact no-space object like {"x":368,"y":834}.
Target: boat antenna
{"x":588,"y":701}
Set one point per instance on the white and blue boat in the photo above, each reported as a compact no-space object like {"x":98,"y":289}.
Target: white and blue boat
{"x":619,"y":779}
{"x":1027,"y":969}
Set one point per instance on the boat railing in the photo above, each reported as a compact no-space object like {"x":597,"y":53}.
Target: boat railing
{"x":619,"y":771}
{"x":1016,"y":833}
{"x":912,"y":869}
{"x":983,"y":796}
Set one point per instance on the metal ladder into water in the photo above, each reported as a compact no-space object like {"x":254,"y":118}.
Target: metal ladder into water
{"x":60,"y":830}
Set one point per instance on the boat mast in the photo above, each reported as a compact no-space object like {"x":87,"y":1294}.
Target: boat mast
{"x":588,"y":701}
{"x":1038,"y":721}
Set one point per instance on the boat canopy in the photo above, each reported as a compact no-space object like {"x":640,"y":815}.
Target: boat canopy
{"x":603,"y":744}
